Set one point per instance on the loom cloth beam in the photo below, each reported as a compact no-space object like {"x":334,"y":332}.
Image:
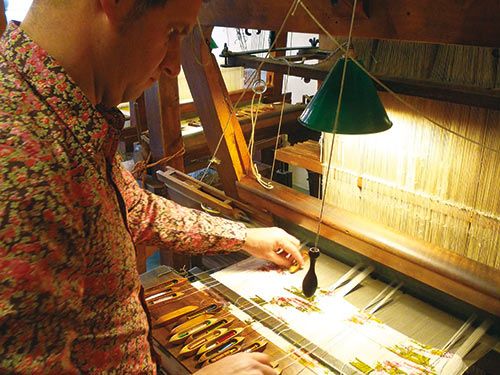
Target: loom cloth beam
{"x":465,"y":279}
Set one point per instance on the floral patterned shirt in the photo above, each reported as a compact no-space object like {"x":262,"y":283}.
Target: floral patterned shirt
{"x":70,"y":215}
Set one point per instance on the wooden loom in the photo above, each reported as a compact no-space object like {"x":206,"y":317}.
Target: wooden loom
{"x":431,"y":272}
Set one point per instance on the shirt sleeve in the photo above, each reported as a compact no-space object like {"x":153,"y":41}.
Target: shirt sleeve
{"x":154,"y":220}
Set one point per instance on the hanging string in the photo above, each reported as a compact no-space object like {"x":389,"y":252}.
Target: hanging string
{"x":251,"y":145}
{"x":141,"y":167}
{"x":336,"y":123}
{"x":200,"y":30}
{"x":232,"y":108}
{"x":385,"y":87}
{"x":281,"y":118}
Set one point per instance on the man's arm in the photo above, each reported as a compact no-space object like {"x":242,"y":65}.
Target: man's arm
{"x":156,"y":220}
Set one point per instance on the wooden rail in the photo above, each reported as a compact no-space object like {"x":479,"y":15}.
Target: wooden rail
{"x":444,"y":21}
{"x":303,"y":154}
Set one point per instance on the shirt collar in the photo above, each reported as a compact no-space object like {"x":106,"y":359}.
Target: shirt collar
{"x":92,"y":126}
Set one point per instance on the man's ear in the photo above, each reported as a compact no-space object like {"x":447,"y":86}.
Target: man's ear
{"x":117,"y":11}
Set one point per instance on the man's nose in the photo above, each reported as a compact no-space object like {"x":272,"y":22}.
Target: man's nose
{"x":171,"y":64}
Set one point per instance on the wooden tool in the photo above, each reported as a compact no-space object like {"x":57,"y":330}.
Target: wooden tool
{"x":225,"y":322}
{"x":209,"y":346}
{"x":191,"y":323}
{"x":171,"y":317}
{"x":256,"y":346}
{"x":182,"y":336}
{"x":227,"y":345}
{"x":207,"y":309}
{"x":208,"y":338}
{"x":169,"y":297}
{"x":165,"y":285}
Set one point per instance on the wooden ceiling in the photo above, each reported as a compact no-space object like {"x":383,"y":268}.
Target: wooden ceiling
{"x":466,"y":22}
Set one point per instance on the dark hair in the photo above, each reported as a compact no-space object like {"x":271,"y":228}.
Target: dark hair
{"x":152,"y":2}
{"x":142,"y":5}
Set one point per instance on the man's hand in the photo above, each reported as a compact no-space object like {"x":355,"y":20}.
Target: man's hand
{"x":241,"y":363}
{"x":273,"y":244}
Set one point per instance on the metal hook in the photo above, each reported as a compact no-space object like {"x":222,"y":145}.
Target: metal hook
{"x":258,"y":32}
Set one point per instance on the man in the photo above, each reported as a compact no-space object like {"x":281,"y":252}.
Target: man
{"x":69,"y":213}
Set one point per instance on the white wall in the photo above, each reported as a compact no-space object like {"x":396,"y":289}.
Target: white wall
{"x":298,"y":88}
{"x":296,"y":85}
{"x":17,"y":9}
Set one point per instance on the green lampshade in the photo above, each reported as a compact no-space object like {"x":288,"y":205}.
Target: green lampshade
{"x":361,"y":111}
{"x":213,"y":45}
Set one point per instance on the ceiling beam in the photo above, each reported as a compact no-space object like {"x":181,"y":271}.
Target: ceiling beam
{"x":446,"y":21}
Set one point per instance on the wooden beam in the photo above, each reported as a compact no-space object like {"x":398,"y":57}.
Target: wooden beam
{"x":161,"y":103}
{"x":3,"y":19}
{"x":445,"y":21}
{"x":267,"y":126}
{"x":163,"y":121}
{"x":463,"y":278}
{"x":303,"y":154}
{"x":197,"y":192}
{"x":215,"y":110}
{"x":475,"y":96}
{"x":275,"y":81}
{"x":171,"y":121}
{"x":189,"y":108}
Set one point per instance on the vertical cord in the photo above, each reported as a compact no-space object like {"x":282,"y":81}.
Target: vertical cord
{"x":281,"y":120}
{"x":251,"y":144}
{"x":213,"y":158}
{"x":336,"y":123}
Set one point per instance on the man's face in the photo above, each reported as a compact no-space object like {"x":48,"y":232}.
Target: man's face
{"x":148,"y":46}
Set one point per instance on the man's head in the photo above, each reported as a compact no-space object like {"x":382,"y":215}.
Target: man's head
{"x":149,"y":40}
{"x":122,"y":45}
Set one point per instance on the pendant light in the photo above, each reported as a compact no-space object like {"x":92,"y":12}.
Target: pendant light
{"x":361,"y":109}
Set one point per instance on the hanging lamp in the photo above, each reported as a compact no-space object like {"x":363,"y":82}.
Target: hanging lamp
{"x":361,"y":109}
{"x":213,"y":45}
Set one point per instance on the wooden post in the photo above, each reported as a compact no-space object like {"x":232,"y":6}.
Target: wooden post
{"x":3,"y":19}
{"x":171,"y":121}
{"x":276,"y":79}
{"x":163,"y":122}
{"x":161,"y":107}
{"x":214,"y":108}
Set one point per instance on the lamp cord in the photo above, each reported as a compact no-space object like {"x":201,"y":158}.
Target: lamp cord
{"x":336,"y":123}
{"x":281,"y":119}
